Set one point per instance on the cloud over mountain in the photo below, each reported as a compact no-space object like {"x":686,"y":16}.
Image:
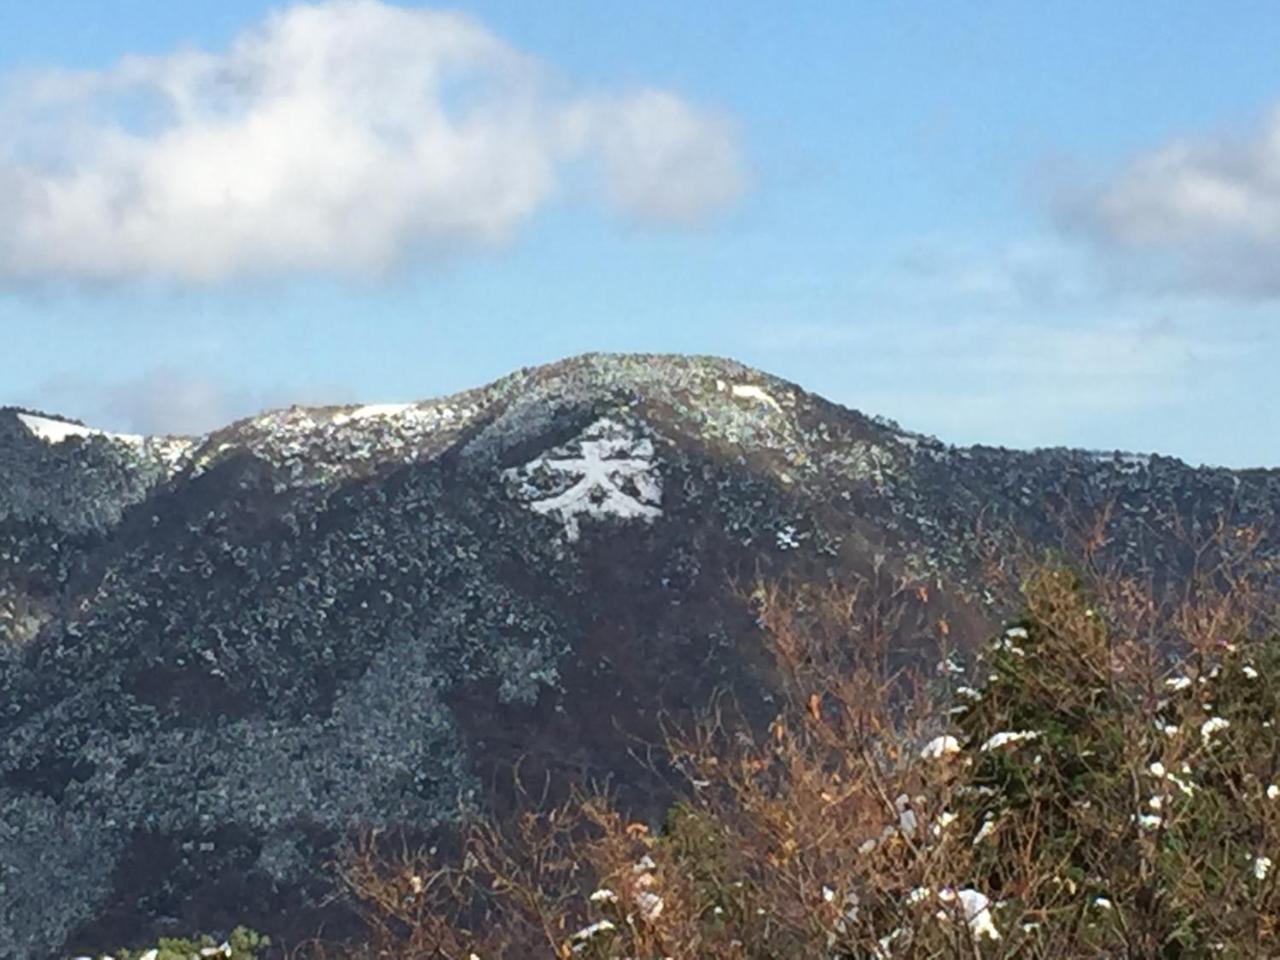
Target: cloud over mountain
{"x":342,"y":136}
{"x":1198,"y":213}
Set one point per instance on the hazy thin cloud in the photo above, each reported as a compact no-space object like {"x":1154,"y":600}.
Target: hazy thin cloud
{"x":661,"y":160}
{"x":1197,"y":213}
{"x":169,"y":399}
{"x":344,"y":136}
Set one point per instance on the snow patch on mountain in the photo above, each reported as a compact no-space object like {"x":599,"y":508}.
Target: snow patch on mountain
{"x":749,"y":391}
{"x":56,"y":431}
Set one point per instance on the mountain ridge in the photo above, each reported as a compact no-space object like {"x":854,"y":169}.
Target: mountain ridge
{"x":217,"y":653}
{"x":714,"y":366}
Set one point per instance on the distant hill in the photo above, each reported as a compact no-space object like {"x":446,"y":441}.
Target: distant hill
{"x":218,"y":652}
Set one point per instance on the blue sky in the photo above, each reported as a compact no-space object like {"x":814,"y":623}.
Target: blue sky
{"x":1010,"y":223}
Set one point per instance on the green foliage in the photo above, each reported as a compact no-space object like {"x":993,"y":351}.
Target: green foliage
{"x":1049,"y":737}
{"x":696,"y":840}
{"x":242,"y":944}
{"x":1152,"y":795}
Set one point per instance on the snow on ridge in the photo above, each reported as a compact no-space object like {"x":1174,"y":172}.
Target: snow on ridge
{"x":320,"y":445}
{"x":56,"y":431}
{"x":1122,"y":461}
{"x":371,"y":411}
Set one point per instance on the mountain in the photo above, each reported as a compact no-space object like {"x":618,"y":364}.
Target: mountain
{"x":218,"y":653}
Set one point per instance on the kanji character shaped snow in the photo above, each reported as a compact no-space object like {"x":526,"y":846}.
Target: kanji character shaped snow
{"x":608,"y":470}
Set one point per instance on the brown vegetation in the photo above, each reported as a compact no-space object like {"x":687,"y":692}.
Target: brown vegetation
{"x":1100,"y":782}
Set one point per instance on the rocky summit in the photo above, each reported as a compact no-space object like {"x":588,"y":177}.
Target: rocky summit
{"x":218,"y":654}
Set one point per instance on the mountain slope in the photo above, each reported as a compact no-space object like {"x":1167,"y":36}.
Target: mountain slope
{"x":216,"y":653}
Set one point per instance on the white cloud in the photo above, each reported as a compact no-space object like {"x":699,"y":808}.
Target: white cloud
{"x":345,"y":135}
{"x":662,"y":160}
{"x":1197,"y":213}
